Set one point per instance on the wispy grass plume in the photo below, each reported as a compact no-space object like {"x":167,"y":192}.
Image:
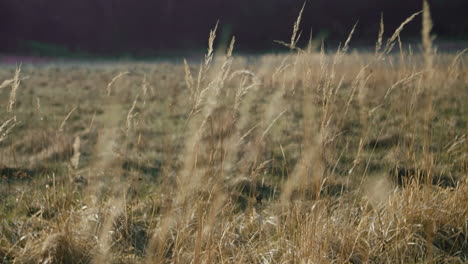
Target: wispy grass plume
{"x":426,"y":35}
{"x":62,"y":125}
{"x":14,"y":87}
{"x":378,"y":45}
{"x":391,"y":41}
{"x":6,"y":127}
{"x":115,"y":79}
{"x":296,"y":35}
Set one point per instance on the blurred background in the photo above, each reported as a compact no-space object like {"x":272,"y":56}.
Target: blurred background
{"x":146,"y":28}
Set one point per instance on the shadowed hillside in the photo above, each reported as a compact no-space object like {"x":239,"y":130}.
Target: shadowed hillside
{"x":148,"y":26}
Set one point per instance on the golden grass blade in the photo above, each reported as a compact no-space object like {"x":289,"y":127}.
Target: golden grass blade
{"x":295,"y":37}
{"x":6,"y":127}
{"x":211,"y":39}
{"x":348,"y":40}
{"x":378,"y":45}
{"x":115,"y":79}
{"x":393,"y":38}
{"x":426,"y":35}
{"x":6,"y":83}
{"x":14,"y":87}
{"x":131,"y":115}
{"x":271,"y":124}
{"x":75,"y":160}
{"x":62,"y":125}
{"x":188,"y":78}
{"x":231,"y":47}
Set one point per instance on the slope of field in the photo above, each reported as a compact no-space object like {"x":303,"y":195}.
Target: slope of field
{"x":285,"y":158}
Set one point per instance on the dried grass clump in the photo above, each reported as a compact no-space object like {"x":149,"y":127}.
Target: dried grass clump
{"x":57,"y":248}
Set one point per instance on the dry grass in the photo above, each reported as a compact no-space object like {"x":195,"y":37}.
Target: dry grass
{"x":305,"y":157}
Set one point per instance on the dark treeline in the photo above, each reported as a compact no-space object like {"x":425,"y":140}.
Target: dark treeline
{"x":149,"y":26}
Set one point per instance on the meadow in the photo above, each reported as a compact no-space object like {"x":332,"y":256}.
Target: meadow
{"x":309,"y":156}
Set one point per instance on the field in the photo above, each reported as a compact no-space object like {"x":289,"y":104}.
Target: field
{"x":303,"y":157}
